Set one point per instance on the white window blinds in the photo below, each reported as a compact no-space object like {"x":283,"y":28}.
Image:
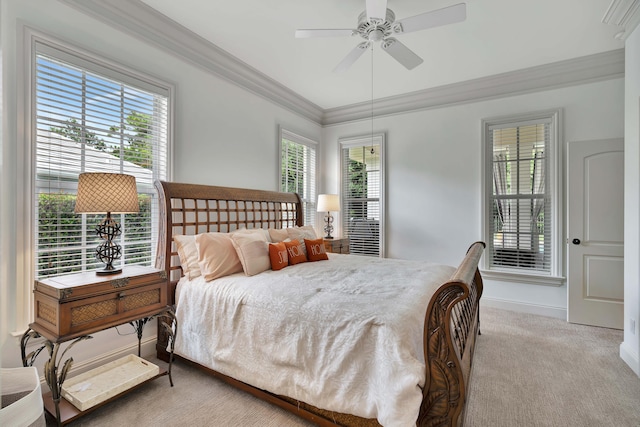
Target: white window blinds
{"x":298,"y":171}
{"x":90,"y":117}
{"x":362,"y":161}
{"x":521,"y":204}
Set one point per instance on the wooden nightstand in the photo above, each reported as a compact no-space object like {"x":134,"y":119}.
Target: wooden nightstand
{"x":73,"y":306}
{"x":337,"y":245}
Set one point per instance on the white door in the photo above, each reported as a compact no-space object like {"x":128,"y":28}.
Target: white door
{"x":595,"y":202}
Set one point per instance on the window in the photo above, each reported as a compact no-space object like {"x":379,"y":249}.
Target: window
{"x":362,"y":171}
{"x":90,"y":116}
{"x":298,"y":171}
{"x":521,"y":216}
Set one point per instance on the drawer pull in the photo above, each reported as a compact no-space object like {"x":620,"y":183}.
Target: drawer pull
{"x":121,"y":295}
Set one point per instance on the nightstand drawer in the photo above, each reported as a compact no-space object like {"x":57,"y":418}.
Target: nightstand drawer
{"x":64,"y":310}
{"x":337,"y":246}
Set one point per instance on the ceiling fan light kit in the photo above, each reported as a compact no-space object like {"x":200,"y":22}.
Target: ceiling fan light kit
{"x":372,"y":27}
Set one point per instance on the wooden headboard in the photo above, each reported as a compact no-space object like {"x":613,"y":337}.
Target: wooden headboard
{"x":190,"y":209}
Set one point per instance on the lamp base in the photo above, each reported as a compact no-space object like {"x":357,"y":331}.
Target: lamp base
{"x":328,"y":228}
{"x":106,"y":271}
{"x":109,"y":251}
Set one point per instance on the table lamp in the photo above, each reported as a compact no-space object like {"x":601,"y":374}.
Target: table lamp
{"x":107,"y":193}
{"x":328,"y":203}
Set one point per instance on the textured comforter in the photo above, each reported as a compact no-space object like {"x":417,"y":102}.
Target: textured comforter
{"x":343,"y":335}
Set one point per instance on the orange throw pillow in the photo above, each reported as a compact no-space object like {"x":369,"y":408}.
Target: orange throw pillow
{"x":295,"y":252}
{"x":315,"y":250}
{"x":278,"y":256}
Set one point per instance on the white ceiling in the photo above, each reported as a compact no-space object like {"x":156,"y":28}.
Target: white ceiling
{"x":498,"y":36}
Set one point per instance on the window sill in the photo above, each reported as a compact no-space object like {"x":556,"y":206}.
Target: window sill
{"x":528,"y":278}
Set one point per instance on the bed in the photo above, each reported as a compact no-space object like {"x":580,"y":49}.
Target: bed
{"x":418,"y":367}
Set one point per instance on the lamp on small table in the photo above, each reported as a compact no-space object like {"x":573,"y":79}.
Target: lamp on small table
{"x":107,"y":193}
{"x":328,"y":203}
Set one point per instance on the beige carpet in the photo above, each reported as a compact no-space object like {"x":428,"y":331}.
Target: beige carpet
{"x":528,"y":371}
{"x":539,"y":371}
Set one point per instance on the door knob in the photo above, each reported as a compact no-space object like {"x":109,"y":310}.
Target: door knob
{"x":576,"y":241}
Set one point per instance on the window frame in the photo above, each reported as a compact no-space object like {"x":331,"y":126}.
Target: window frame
{"x":27,"y":133}
{"x":554,"y":277}
{"x":308,"y":204}
{"x":364,"y":141}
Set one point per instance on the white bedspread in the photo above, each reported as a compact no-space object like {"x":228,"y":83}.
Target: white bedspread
{"x":343,"y":335}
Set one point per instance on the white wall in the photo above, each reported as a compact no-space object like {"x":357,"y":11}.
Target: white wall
{"x":630,"y":348}
{"x":228,"y":136}
{"x":223,"y":135}
{"x":434,"y":175}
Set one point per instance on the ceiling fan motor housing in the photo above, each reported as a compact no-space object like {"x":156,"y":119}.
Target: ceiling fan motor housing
{"x":376,"y":29}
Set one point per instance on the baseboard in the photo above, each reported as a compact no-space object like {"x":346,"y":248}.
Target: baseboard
{"x":541,"y":310}
{"x":147,"y":349}
{"x":630,"y":358}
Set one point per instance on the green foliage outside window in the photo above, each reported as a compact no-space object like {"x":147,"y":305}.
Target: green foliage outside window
{"x":357,"y":189}
{"x":293,"y":167}
{"x":76,"y":132}
{"x":135,"y":134}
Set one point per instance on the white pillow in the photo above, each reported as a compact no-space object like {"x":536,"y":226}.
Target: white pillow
{"x":252,"y":247}
{"x":278,"y":234}
{"x":188,"y":253}
{"x":216,"y":255}
{"x":301,"y":233}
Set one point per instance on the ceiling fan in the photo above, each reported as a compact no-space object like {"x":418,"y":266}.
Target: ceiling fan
{"x":377,"y":23}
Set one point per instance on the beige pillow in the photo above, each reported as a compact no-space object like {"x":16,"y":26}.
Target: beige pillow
{"x":278,"y":234}
{"x":188,"y":253}
{"x":302,"y":233}
{"x":252,"y":248}
{"x":216,"y":255}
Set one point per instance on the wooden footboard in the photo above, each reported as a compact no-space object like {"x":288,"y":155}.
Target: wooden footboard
{"x":451,"y":324}
{"x":451,"y":321}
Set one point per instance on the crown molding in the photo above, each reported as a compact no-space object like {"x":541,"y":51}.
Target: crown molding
{"x":586,"y":69}
{"x":624,"y":14}
{"x":145,"y":23}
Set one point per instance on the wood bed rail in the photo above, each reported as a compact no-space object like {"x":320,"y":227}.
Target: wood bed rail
{"x":448,"y":345}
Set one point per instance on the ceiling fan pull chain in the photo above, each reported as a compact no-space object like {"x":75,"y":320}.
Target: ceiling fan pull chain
{"x":372,"y":62}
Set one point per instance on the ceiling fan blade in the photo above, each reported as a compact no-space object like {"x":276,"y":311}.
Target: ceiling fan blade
{"x":435,"y":18}
{"x":301,"y":34}
{"x":351,"y":57}
{"x":401,"y":53}
{"x":376,"y":9}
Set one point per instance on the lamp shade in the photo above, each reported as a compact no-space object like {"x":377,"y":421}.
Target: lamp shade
{"x":328,"y":203}
{"x":107,"y":192}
